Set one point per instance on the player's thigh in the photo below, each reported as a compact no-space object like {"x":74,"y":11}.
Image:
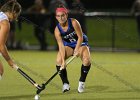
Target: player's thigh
{"x":69,"y":51}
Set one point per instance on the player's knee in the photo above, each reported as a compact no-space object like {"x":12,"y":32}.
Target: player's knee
{"x":1,"y":70}
{"x":86,"y":61}
{"x":1,"y":73}
{"x":58,"y":61}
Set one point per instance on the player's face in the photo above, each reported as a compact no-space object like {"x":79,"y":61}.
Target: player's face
{"x":15,"y":16}
{"x":61,"y":17}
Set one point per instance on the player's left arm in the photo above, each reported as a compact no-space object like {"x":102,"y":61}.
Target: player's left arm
{"x":4,"y":30}
{"x":79,"y":33}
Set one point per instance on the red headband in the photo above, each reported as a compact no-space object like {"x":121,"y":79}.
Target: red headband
{"x":61,"y":10}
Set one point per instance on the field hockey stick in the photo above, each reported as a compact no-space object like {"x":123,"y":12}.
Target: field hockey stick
{"x":44,"y":85}
{"x":27,"y":77}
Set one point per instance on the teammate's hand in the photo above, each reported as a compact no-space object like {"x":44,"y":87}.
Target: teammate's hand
{"x":11,"y":63}
{"x":76,"y":53}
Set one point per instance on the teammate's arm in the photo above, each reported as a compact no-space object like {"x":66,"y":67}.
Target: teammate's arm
{"x":4,"y":30}
{"x":61,"y":46}
{"x":78,"y":31}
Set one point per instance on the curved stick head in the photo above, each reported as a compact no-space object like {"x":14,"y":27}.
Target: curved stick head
{"x":39,"y":90}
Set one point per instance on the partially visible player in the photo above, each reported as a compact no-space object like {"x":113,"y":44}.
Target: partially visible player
{"x":8,"y":12}
{"x":71,"y":41}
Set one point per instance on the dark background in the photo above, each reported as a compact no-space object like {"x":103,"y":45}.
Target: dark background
{"x":89,"y":4}
{"x":108,"y":4}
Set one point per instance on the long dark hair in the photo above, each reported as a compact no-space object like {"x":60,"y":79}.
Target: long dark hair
{"x":11,"y":6}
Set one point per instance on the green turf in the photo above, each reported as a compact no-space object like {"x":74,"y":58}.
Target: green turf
{"x":113,"y":76}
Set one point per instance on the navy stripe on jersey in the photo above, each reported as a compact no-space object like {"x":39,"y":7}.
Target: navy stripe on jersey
{"x":69,"y":36}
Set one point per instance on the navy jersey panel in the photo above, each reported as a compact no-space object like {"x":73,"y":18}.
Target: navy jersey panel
{"x":69,"y":37}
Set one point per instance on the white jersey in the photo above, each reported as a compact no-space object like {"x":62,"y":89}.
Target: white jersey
{"x":3,"y":16}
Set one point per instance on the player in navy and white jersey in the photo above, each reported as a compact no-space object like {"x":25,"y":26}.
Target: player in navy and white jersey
{"x":8,"y":12}
{"x":71,"y":41}
{"x":69,"y":36}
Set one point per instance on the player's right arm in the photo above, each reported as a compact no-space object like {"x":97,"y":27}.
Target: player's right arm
{"x":61,"y":46}
{"x":4,"y":30}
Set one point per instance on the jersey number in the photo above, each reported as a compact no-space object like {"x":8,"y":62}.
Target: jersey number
{"x":72,"y":40}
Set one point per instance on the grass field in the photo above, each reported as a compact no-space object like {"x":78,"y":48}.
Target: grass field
{"x":113,"y":76}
